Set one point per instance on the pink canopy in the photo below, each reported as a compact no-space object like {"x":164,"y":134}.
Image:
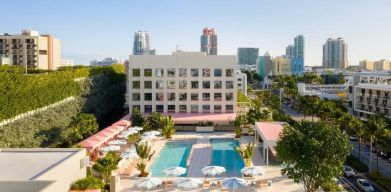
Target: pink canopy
{"x":101,"y":137}
{"x":194,"y":118}
{"x":270,"y":130}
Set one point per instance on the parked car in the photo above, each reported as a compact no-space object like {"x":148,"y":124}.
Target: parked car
{"x":353,"y":138}
{"x":348,"y":171}
{"x":365,"y":185}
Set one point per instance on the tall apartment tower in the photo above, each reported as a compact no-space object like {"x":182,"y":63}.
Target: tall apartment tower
{"x":247,"y":55}
{"x":209,"y":41}
{"x":335,"y":54}
{"x":290,"y":50}
{"x":298,"y":56}
{"x":141,"y":43}
{"x":264,"y":66}
{"x":31,"y":50}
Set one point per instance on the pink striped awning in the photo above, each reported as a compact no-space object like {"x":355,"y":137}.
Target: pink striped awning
{"x":101,"y":137}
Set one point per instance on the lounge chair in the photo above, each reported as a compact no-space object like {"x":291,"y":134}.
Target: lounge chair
{"x":167,"y":184}
{"x":206,"y":184}
{"x":261,"y":183}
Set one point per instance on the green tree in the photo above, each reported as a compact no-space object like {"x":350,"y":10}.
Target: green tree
{"x":153,"y":121}
{"x":82,"y":126}
{"x":356,"y":127}
{"x":246,"y":153}
{"x":136,"y":117}
{"x":145,"y":154}
{"x":376,"y":128}
{"x":168,"y":128}
{"x":106,"y":165}
{"x":314,"y":153}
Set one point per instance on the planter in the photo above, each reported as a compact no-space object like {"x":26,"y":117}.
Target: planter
{"x":143,"y":176}
{"x":87,"y":190}
{"x":247,"y":162}
{"x":205,"y":129}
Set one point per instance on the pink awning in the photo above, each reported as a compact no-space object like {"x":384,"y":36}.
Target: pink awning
{"x":270,"y":130}
{"x":195,"y":118}
{"x":101,"y":137}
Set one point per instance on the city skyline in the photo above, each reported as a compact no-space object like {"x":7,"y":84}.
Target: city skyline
{"x":254,"y":25}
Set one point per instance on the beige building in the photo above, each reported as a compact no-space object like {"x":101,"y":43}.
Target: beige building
{"x":31,"y":49}
{"x":381,"y":65}
{"x":41,"y":169}
{"x":281,"y":66}
{"x":372,"y":99}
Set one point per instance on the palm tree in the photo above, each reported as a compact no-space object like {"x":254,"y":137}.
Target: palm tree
{"x":106,"y":165}
{"x":167,"y":126}
{"x":358,"y":126}
{"x":145,"y":154}
{"x":376,"y":126}
{"x":246,"y":153}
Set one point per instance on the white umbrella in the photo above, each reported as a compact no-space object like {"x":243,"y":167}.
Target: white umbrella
{"x":110,"y":148}
{"x":233,"y":183}
{"x":130,"y":131}
{"x":155,"y":133}
{"x":213,"y":170}
{"x":252,"y":171}
{"x":189,"y":183}
{"x":148,"y":137}
{"x":174,"y":171}
{"x":148,"y":183}
{"x":117,"y":142}
{"x":137,"y":128}
{"x":129,"y":156}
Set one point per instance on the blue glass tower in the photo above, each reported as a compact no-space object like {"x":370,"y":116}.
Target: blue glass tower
{"x":297,"y":66}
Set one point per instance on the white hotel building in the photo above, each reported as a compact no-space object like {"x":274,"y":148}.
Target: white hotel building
{"x":182,"y":83}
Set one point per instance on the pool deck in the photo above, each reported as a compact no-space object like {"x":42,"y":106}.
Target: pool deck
{"x":273,"y":172}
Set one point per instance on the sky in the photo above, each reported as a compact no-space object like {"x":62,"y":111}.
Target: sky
{"x":91,"y":29}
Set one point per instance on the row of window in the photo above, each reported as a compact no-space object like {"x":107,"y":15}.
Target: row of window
{"x":182,"y":72}
{"x":183,"y":108}
{"x":183,"y":97}
{"x":183,"y":84}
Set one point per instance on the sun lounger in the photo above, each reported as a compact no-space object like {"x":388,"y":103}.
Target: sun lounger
{"x":261,"y":183}
{"x":206,"y":184}
{"x":167,"y":184}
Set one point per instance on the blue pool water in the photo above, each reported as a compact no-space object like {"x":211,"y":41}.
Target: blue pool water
{"x":173,"y":154}
{"x":224,"y":154}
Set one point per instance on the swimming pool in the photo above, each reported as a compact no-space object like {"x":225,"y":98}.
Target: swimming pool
{"x":224,"y":154}
{"x":173,"y":154}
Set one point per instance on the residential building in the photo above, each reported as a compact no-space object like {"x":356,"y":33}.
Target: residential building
{"x":5,"y":60}
{"x":264,"y":66}
{"x":381,"y":65}
{"x":281,"y":66}
{"x":298,"y":56}
{"x":372,"y":99}
{"x":108,"y":61}
{"x":242,"y":81}
{"x":66,"y":62}
{"x":324,"y":91}
{"x":247,"y":56}
{"x":335,"y":54}
{"x":32,"y":49}
{"x":247,"y":67}
{"x":41,"y":169}
{"x":209,"y":41}
{"x":182,"y":83}
{"x":290,"y":50}
{"x":366,"y":65}
{"x":141,"y":44}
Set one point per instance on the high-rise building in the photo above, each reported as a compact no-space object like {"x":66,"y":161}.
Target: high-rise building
{"x":381,"y":65}
{"x":31,"y":49}
{"x":335,"y":54}
{"x":290,"y":50}
{"x":141,"y":43}
{"x":105,"y":62}
{"x":247,"y":55}
{"x":282,"y":66}
{"x":209,"y":41}
{"x":264,"y":66}
{"x":298,"y":56}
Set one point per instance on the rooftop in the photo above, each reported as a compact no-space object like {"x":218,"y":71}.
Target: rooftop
{"x":26,"y":164}
{"x":270,"y":130}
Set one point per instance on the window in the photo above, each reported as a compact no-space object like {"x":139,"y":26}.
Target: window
{"x":194,"y":96}
{"x":136,"y":107}
{"x":217,"y":108}
{"x":171,"y":85}
{"x":206,"y":72}
{"x":194,"y":84}
{"x":205,"y":96}
{"x":147,"y":108}
{"x":136,"y":96}
{"x":171,"y":72}
{"x":229,"y":108}
{"x":182,"y":84}
{"x":194,"y":108}
{"x":206,"y":108}
{"x":160,"y":108}
{"x":171,"y":108}
{"x":229,"y":84}
{"x":159,"y":72}
{"x":147,"y":72}
{"x":194,"y":72}
{"x":159,"y":96}
{"x":217,"y":84}
{"x":159,"y":85}
{"x":147,"y":84}
{"x":217,"y":96}
{"x":147,"y":96}
{"x":182,"y":96}
{"x":229,"y":72}
{"x":229,"y":96}
{"x":217,"y":72}
{"x":182,"y":109}
{"x":206,"y":84}
{"x":136,"y":84}
{"x":171,"y":96}
{"x":182,"y":72}
{"x":136,"y":72}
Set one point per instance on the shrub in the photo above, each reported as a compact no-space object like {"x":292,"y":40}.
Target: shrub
{"x":381,"y":180}
{"x":133,"y":139}
{"x":356,"y":164}
{"x":136,"y":117}
{"x":87,"y":183}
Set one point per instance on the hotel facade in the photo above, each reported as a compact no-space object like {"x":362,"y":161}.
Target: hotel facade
{"x":182,"y":83}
